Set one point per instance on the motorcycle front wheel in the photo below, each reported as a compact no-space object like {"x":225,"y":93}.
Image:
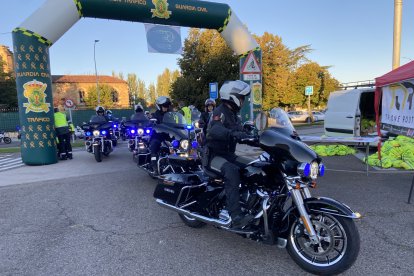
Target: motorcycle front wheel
{"x":336,"y":251}
{"x":7,"y":140}
{"x":97,"y":153}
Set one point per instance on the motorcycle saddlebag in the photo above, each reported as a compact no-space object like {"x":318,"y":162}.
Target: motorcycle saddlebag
{"x":169,"y":187}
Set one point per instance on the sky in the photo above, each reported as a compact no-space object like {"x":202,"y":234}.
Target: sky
{"x":354,"y":37}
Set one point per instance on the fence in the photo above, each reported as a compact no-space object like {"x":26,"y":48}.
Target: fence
{"x":9,"y":118}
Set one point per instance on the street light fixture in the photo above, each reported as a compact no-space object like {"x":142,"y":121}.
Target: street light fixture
{"x":96,"y":71}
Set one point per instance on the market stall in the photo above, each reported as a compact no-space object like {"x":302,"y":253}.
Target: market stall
{"x":394,"y":95}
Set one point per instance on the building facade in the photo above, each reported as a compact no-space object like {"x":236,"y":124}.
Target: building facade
{"x":6,"y":57}
{"x":77,"y":87}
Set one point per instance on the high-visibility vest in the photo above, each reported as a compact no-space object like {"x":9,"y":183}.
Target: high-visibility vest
{"x":187,"y":114}
{"x":60,"y":120}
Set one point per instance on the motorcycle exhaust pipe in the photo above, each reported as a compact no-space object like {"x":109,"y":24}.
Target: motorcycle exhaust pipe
{"x":215,"y":222}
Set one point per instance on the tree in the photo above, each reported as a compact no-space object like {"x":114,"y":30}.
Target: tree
{"x":151,"y":94}
{"x":106,"y":96}
{"x":8,"y":91}
{"x":165,"y":80}
{"x":312,"y":74}
{"x":206,"y":58}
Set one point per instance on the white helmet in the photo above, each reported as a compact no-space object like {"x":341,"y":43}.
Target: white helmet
{"x":234,"y":91}
{"x":138,"y":108}
{"x":163,"y":101}
{"x":100,"y":110}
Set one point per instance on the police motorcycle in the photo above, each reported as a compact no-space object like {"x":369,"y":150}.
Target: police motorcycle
{"x":319,"y":233}
{"x":138,"y":133}
{"x":99,"y":138}
{"x":178,"y":152}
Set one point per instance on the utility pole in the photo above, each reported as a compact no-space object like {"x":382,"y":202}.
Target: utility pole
{"x":397,"y":34}
{"x":96,"y":71}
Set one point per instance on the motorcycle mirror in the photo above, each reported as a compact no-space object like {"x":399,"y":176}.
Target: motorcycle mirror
{"x":261,"y":121}
{"x":153,"y":121}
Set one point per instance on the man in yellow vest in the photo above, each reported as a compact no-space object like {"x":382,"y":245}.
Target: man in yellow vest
{"x":185,"y":110}
{"x":63,"y":134}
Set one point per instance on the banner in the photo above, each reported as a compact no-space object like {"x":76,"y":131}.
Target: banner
{"x":397,"y":106}
{"x":163,"y":39}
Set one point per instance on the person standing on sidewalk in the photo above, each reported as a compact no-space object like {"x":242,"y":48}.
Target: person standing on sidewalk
{"x":63,"y":134}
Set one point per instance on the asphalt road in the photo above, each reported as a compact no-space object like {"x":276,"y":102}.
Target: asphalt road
{"x":88,"y":218}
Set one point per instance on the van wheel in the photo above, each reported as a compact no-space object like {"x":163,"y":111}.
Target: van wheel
{"x":308,"y":120}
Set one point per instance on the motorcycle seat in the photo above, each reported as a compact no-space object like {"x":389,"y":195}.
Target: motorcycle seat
{"x":212,"y":174}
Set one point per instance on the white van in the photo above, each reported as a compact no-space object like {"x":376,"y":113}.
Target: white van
{"x":346,"y":110}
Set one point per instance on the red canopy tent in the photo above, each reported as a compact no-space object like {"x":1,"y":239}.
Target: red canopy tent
{"x":402,"y":73}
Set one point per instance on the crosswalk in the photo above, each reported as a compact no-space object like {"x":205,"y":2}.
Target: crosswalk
{"x":9,"y":161}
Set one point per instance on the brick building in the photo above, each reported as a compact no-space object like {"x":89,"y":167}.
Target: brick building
{"x":76,"y":87}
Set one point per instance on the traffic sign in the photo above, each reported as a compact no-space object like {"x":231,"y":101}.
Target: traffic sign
{"x":69,"y":103}
{"x":308,"y":90}
{"x":213,"y":90}
{"x":251,"y":77}
{"x":251,"y":66}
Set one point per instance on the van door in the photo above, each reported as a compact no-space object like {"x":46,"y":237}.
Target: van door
{"x":342,"y":117}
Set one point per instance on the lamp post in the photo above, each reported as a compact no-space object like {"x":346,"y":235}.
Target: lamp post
{"x":96,"y":71}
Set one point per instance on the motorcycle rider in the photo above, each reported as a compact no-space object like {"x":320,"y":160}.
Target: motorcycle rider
{"x":139,"y":114}
{"x":209,"y":105}
{"x":100,"y":115}
{"x":163,"y":105}
{"x":223,"y":133}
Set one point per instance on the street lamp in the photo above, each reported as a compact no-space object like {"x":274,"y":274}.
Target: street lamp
{"x":96,"y":71}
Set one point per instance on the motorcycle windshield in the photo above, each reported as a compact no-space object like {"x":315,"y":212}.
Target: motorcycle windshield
{"x":279,"y":119}
{"x":175,"y":119}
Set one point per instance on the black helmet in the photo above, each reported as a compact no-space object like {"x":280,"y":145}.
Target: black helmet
{"x":163,"y":101}
{"x":234,"y":92}
{"x":100,"y":110}
{"x":210,"y":102}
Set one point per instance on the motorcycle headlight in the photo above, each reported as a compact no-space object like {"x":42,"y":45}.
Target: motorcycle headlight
{"x":314,"y":171}
{"x":184,"y":144}
{"x":197,"y":124}
{"x":96,"y":133}
{"x":132,"y":131}
{"x":309,"y":170}
{"x":175,"y":144}
{"x":140,"y":131}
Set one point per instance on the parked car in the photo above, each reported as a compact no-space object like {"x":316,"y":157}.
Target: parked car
{"x":318,"y":116}
{"x":299,"y":116}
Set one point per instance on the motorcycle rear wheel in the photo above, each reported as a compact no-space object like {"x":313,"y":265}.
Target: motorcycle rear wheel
{"x":191,"y":222}
{"x":337,"y":250}
{"x":97,"y":153}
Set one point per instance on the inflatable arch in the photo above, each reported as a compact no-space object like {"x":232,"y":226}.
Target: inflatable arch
{"x":32,"y":39}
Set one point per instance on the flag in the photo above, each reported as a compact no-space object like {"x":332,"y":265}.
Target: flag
{"x":163,"y":39}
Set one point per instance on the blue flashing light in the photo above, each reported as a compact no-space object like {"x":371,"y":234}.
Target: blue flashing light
{"x":132,"y":131}
{"x":194,"y":144}
{"x":148,"y":131}
{"x":115,"y":126}
{"x":103,"y":132}
{"x":88,"y":133}
{"x":189,"y":127}
{"x":175,"y":143}
{"x":321,"y":170}
{"x":307,"y":169}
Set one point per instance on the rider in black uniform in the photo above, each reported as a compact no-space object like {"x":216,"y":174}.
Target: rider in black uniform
{"x":163,"y":106}
{"x":223,"y":133}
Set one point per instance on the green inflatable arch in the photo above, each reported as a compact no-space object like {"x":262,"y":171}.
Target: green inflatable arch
{"x":44,"y":27}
